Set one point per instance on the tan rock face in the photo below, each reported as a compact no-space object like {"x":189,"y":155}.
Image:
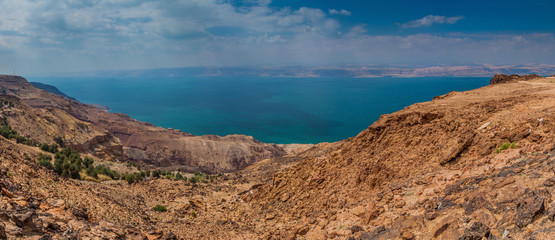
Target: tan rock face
{"x":44,"y":116}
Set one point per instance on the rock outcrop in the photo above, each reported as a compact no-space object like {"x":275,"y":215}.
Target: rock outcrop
{"x":502,"y":78}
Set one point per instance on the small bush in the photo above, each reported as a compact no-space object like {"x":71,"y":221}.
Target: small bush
{"x":178,"y":176}
{"x":160,"y":208}
{"x":91,"y":171}
{"x":45,"y":160}
{"x":88,"y":161}
{"x":156,"y":173}
{"x":49,"y":148}
{"x":194,"y":179}
{"x":505,"y":146}
{"x":193,"y":214}
{"x":101,"y":169}
{"x":59,"y":141}
{"x":133,"y":177}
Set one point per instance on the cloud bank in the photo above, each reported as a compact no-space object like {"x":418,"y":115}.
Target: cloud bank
{"x":68,"y":36}
{"x":339,"y":12}
{"x":431,"y":19}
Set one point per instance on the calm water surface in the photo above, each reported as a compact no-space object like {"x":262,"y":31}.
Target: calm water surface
{"x":278,"y":110}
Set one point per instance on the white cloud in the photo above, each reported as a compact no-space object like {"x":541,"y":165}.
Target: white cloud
{"x":431,"y":19}
{"x":69,"y":35}
{"x":339,"y":12}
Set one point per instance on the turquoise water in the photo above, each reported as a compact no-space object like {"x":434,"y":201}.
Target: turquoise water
{"x":272,"y":109}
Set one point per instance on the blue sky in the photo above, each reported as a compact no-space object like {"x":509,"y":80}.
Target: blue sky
{"x":50,"y":36}
{"x":479,"y":16}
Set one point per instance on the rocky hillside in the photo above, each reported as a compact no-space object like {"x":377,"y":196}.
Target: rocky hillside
{"x":467,"y":165}
{"x":43,"y":116}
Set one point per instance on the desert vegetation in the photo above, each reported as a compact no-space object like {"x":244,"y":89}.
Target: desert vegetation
{"x":7,"y":132}
{"x":160,"y":208}
{"x":70,"y":164}
{"x":505,"y":146}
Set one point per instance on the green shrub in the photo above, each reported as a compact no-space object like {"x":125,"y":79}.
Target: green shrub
{"x":193,"y":214}
{"x":6,"y":131}
{"x":505,"y":146}
{"x":133,"y":177}
{"x":91,"y":171}
{"x":194,"y":179}
{"x":160,"y":208}
{"x":178,"y":176}
{"x":45,"y":160}
{"x":49,"y":148}
{"x":67,"y":162}
{"x":59,"y":141}
{"x":88,"y":161}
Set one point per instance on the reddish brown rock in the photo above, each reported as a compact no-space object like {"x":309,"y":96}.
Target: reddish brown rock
{"x":502,"y":78}
{"x":477,"y":231}
{"x":529,"y":207}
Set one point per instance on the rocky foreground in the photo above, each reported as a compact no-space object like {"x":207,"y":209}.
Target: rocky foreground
{"x":467,"y":165}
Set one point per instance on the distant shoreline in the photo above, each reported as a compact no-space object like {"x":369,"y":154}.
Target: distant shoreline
{"x":352,"y":71}
{"x":102,"y":107}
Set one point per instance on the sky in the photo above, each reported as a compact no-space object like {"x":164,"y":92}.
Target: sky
{"x":57,"y":36}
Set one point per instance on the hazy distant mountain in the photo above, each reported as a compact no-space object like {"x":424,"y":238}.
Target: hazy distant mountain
{"x":477,"y":70}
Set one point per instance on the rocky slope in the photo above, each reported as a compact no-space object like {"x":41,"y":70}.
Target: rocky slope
{"x":429,"y":171}
{"x":42,"y":116}
{"x":434,"y":170}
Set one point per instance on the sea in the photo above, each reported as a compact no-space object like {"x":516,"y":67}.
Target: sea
{"x":272,"y":109}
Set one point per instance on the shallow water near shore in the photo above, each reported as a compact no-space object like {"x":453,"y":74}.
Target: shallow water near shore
{"x":272,"y":109}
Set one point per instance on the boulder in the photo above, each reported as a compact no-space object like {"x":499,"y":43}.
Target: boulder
{"x":502,"y":78}
{"x":477,"y":231}
{"x":528,"y":208}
